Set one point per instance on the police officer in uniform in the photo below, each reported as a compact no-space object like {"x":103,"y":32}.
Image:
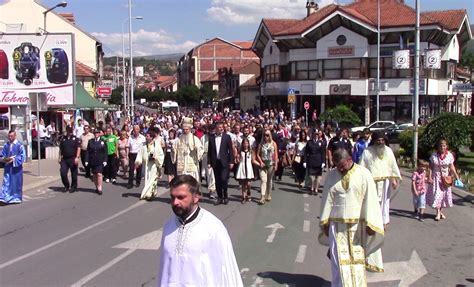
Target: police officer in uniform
{"x":96,"y":159}
{"x":69,"y":154}
{"x":341,"y":140}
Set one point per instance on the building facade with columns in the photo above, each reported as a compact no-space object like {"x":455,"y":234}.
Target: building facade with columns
{"x":330,"y":58}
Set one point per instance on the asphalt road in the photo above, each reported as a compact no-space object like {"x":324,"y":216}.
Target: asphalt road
{"x":82,"y":239}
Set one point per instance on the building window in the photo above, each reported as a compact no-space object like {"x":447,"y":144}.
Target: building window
{"x":332,"y":69}
{"x":304,"y":70}
{"x":387,"y":71}
{"x":272,"y":73}
{"x":351,"y":68}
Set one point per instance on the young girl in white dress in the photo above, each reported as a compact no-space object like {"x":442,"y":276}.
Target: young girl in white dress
{"x":245,"y":169}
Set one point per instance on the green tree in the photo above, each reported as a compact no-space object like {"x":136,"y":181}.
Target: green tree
{"x":343,"y":115}
{"x":467,"y":57}
{"x":116,"y":97}
{"x":188,"y":96}
{"x":453,"y":127}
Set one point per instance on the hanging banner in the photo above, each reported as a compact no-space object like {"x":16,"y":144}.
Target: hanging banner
{"x":37,"y":63}
{"x":433,"y":59}
{"x":401,"y":60}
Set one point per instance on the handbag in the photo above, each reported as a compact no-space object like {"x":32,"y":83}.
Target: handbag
{"x":447,"y":180}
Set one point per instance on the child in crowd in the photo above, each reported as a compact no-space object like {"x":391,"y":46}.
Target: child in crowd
{"x":245,"y":170}
{"x":419,"y":182}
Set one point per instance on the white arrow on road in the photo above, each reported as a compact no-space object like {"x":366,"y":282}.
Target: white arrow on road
{"x":274,"y":227}
{"x":407,"y":272}
{"x":149,"y":241}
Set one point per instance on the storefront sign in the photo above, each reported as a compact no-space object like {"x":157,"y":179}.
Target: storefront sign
{"x":345,"y":51}
{"x":37,"y":64}
{"x":401,"y":59}
{"x":340,"y":90}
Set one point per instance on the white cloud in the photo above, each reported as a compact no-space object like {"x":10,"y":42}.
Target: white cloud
{"x":232,"y":12}
{"x":252,"y":11}
{"x":144,"y":43}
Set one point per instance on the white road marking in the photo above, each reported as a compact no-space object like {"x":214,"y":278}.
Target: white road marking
{"x":306,"y":225}
{"x":301,"y":254}
{"x":149,"y":241}
{"x":305,"y":195}
{"x":274,"y":227}
{"x":306,"y":207}
{"x":257,"y":282}
{"x":407,"y":272}
{"x":59,"y":241}
{"x":103,"y":268}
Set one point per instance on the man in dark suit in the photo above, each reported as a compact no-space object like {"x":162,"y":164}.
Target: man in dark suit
{"x":221,"y":159}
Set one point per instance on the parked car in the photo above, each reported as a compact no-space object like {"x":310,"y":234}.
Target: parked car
{"x":393,"y":131}
{"x":375,"y":126}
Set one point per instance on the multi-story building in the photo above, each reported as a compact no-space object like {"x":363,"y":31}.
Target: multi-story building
{"x":237,"y":86}
{"x":330,"y":57}
{"x":202,"y":63}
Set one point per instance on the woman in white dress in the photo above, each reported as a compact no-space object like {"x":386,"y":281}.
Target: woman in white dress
{"x":151,"y":156}
{"x":245,"y":169}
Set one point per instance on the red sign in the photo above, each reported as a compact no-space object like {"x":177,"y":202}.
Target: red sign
{"x":104,"y":91}
{"x":306,"y":105}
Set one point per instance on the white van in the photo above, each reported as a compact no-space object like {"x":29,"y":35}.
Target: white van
{"x":168,"y":106}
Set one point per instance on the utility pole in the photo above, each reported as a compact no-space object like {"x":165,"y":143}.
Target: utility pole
{"x":416,"y":83}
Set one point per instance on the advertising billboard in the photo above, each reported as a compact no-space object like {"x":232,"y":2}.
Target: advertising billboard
{"x":37,"y":63}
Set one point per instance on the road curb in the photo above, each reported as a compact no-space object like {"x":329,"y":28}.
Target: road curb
{"x":467,"y":196}
{"x":40,"y":181}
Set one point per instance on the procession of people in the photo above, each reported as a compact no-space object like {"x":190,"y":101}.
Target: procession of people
{"x":190,"y":151}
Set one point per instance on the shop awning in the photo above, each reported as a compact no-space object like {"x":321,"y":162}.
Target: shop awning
{"x":85,"y":101}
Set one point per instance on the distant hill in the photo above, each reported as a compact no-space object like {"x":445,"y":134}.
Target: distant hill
{"x":163,"y":58}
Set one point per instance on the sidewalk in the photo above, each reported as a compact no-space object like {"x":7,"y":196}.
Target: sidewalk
{"x":49,"y":173}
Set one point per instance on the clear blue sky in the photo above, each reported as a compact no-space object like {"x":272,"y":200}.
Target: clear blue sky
{"x":173,"y":26}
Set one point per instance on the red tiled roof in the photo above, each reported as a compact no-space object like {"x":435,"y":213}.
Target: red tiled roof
{"x":252,"y":82}
{"x":276,"y":25}
{"x":394,"y":13}
{"x":450,"y":19}
{"x":248,"y":68}
{"x":211,"y":78}
{"x":84,"y":71}
{"x":302,"y":25}
{"x":244,"y":44}
{"x":69,"y":17}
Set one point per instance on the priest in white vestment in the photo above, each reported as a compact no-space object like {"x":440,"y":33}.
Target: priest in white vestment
{"x":187,"y":151}
{"x":351,"y":222}
{"x":151,"y":156}
{"x":379,"y":159}
{"x":196,"y":249}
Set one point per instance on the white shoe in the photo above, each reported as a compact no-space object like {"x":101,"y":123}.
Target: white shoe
{"x":107,"y":180}
{"x":114,"y":180}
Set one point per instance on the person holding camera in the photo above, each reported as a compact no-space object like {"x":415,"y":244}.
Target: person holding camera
{"x":151,"y":157}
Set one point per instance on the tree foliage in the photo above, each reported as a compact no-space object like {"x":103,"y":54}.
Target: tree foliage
{"x":343,"y":115}
{"x":453,"y":127}
{"x":467,"y":58}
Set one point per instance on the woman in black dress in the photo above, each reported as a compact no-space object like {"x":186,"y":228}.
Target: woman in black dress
{"x":315,"y":154}
{"x":169,"y":166}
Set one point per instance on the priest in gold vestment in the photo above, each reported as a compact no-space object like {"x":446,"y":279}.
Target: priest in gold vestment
{"x":187,"y":151}
{"x":351,"y":222}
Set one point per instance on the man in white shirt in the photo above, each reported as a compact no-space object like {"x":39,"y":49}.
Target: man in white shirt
{"x":51,"y":131}
{"x":79,"y":129}
{"x":42,"y":132}
{"x":196,"y":249}
{"x":135,"y":142}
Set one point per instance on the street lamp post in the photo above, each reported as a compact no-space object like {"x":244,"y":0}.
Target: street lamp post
{"x":377,"y":112}
{"x":62,"y":4}
{"x":416,"y":83}
{"x":125,"y":89}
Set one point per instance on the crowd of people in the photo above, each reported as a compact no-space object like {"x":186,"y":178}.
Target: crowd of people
{"x":207,"y":148}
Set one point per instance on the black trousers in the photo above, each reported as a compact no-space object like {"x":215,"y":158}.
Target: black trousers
{"x":66,"y":165}
{"x":131,"y":163}
{"x":221,"y":173}
{"x":110,"y":170}
{"x":83,"y":160}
